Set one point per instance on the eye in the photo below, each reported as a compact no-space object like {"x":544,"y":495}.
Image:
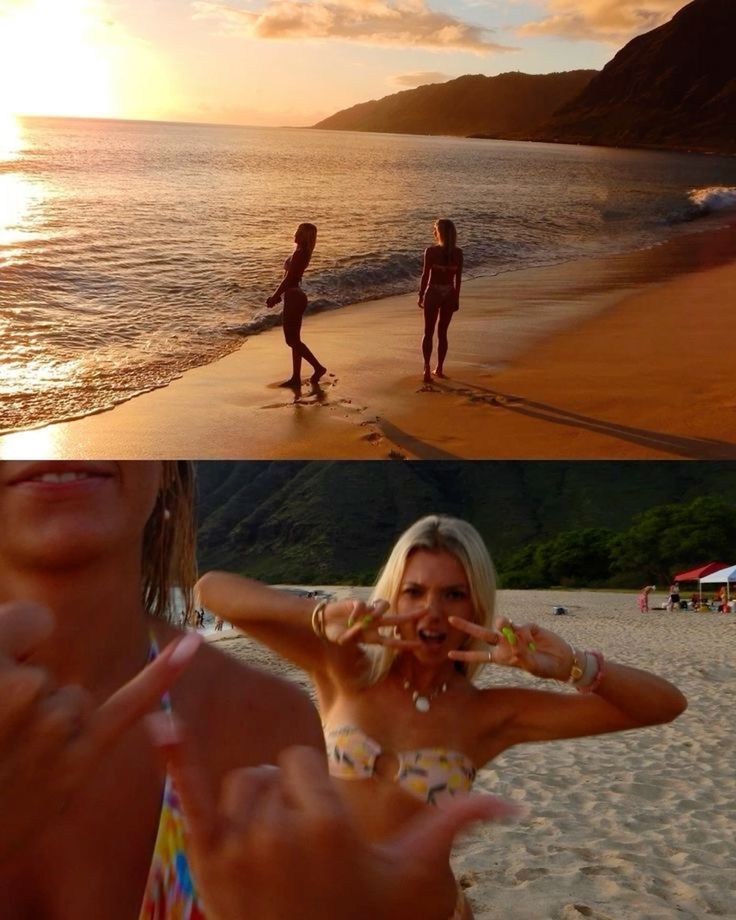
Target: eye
{"x":411,"y":590}
{"x":457,"y":594}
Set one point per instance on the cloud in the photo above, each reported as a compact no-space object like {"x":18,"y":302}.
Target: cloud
{"x":601,"y":20}
{"x":419,"y":78}
{"x":403,"y":23}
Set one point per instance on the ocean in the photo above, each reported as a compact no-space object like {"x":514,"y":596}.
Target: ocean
{"x":131,"y":251}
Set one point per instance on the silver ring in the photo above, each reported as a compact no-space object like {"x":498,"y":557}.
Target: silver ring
{"x":490,"y":655}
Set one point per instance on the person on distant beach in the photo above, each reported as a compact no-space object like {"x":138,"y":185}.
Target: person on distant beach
{"x":91,"y":826}
{"x":673,"y":601}
{"x":643,"y":598}
{"x":295,"y":303}
{"x":405,"y":727}
{"x":439,"y":292}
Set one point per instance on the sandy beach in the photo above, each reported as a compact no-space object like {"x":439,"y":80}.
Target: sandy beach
{"x":616,"y":357}
{"x":620,"y":827}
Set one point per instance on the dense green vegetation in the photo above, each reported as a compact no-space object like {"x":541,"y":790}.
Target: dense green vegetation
{"x":546,"y":523}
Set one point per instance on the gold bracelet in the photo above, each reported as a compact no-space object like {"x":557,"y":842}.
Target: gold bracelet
{"x":577,"y":668}
{"x":318,"y":620}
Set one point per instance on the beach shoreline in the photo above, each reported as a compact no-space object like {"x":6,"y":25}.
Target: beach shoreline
{"x":589,"y":359}
{"x":622,"y":826}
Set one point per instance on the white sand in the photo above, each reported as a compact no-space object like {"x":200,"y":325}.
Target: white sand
{"x":621,"y":827}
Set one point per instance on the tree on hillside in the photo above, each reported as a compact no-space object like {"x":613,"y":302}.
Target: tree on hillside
{"x":670,"y":537}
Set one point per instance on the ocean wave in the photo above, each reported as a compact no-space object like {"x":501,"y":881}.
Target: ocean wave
{"x":704,"y":201}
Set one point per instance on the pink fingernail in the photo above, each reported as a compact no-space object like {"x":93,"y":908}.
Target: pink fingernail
{"x":163,"y":729}
{"x":186,"y":649}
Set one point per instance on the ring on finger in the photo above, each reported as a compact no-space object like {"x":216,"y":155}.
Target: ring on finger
{"x":490,"y":655}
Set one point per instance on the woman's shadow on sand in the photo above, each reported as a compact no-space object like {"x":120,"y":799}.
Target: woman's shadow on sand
{"x":678,"y":445}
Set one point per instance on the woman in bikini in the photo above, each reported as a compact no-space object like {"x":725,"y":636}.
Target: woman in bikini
{"x":439,"y":292}
{"x":91,"y":824}
{"x":405,"y":726}
{"x":295,"y":303}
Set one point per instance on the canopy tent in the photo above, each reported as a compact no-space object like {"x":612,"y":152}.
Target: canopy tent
{"x":722,"y":576}
{"x":700,"y":571}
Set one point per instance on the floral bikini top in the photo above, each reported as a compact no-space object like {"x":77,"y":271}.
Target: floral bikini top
{"x":170,"y":893}
{"x":429,"y":774}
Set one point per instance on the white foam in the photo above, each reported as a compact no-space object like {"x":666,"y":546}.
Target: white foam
{"x":713,"y":198}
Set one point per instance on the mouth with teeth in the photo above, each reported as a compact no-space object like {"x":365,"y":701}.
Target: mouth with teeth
{"x":72,"y":476}
{"x":432,"y":637}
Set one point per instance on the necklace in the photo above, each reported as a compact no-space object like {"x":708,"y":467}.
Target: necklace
{"x":422,"y":701}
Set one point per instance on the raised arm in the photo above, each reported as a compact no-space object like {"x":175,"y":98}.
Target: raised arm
{"x":613,"y":696}
{"x":278,"y":619}
{"x":322,"y":638}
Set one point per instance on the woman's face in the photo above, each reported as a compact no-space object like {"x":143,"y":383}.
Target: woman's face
{"x":67,"y":513}
{"x":435,"y":587}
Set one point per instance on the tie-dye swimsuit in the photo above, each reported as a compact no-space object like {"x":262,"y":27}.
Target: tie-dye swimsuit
{"x":170,"y":893}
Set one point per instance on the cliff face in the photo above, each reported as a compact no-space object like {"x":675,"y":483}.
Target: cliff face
{"x":673,"y":87}
{"x":509,"y":105}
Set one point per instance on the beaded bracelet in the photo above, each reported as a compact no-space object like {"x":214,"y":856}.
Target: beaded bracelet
{"x":595,"y":683}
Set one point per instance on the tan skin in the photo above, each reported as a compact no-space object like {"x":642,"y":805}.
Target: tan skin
{"x":81,"y":780}
{"x":76,"y":557}
{"x":434,"y":613}
{"x":436,"y":271}
{"x":294,"y":305}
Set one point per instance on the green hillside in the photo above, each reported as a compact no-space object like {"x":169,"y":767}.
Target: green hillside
{"x":333,"y":522}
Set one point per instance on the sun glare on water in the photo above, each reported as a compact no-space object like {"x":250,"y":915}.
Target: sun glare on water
{"x":52,"y":59}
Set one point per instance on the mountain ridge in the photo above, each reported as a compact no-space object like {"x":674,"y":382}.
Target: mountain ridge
{"x":671,"y":88}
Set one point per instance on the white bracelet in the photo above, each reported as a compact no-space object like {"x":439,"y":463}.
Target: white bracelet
{"x":590,"y":671}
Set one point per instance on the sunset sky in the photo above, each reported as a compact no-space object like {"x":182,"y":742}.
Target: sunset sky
{"x":268,"y":62}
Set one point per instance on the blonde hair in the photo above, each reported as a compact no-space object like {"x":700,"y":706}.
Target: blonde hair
{"x":438,"y":533}
{"x":309,"y":234}
{"x":446,"y":234}
{"x":169,"y":542}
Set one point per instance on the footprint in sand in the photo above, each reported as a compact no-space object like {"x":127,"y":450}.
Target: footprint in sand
{"x":372,"y":437}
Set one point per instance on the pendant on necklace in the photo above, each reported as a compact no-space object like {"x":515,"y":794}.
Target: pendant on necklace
{"x":422,"y":702}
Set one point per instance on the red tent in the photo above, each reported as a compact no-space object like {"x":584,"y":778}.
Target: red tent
{"x":700,"y":571}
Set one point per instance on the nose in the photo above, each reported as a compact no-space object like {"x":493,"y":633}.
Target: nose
{"x":433,"y":605}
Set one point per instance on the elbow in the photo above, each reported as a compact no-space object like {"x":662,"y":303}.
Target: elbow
{"x":672,"y":706}
{"x":678,"y":705}
{"x":204,"y":589}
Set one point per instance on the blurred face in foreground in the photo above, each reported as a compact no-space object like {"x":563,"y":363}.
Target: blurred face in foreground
{"x":64,"y":514}
{"x":436,"y":587}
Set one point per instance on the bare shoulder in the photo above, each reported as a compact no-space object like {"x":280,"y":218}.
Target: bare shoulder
{"x":240,"y":715}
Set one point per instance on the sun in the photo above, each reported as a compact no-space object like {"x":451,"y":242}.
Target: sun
{"x":53,"y":58}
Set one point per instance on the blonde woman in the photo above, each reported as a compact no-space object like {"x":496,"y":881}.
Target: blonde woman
{"x":295,"y":303}
{"x":404,"y":725}
{"x":91,"y":824}
{"x":439,"y":292}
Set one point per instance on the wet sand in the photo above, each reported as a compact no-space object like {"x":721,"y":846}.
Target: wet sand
{"x":617,"y":357}
{"x":619,"y":827}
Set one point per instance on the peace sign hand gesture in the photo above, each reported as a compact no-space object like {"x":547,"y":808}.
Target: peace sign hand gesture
{"x":51,"y":737}
{"x":529,"y":647}
{"x":353,"y":621}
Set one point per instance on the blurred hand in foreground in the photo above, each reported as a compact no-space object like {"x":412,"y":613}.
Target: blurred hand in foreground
{"x":52,"y":737}
{"x":280,"y":843}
